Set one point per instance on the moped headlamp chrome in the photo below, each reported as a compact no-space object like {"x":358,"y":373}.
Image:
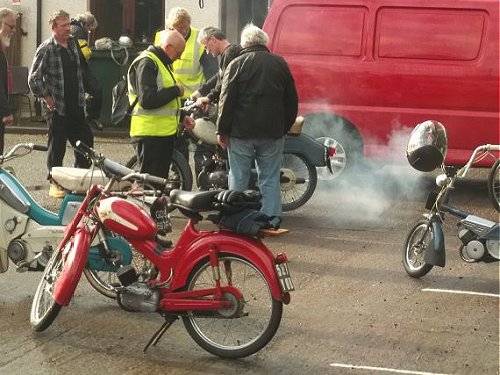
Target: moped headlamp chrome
{"x":442,"y":180}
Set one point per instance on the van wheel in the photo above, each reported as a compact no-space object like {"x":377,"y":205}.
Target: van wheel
{"x":333,"y":131}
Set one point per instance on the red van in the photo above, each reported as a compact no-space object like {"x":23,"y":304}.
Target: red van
{"x":366,"y":68}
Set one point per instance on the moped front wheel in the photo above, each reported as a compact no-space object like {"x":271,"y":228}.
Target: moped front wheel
{"x":44,"y":308}
{"x":249,"y":324}
{"x":417,"y":243}
{"x":494,"y":185}
{"x":298,"y":181}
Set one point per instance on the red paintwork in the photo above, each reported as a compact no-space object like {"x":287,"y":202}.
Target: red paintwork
{"x":135,"y":223}
{"x":356,"y":66}
{"x":74,"y":259}
{"x":192,"y":247}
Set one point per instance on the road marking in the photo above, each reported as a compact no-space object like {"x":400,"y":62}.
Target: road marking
{"x":460,"y":292}
{"x":371,"y":368}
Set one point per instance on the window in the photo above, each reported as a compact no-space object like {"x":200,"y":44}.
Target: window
{"x":432,"y":34}
{"x":321,"y":30}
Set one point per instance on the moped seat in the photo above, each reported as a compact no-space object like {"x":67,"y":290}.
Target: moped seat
{"x":78,"y":180}
{"x":194,"y":200}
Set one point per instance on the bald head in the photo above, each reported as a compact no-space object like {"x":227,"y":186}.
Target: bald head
{"x":172,"y":43}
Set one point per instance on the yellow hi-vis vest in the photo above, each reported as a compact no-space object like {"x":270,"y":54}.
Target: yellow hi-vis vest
{"x":84,"y":47}
{"x":187,"y":69}
{"x":158,"y":122}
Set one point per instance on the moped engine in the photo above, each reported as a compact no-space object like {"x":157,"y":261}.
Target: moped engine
{"x":138,"y":297}
{"x":18,"y":251}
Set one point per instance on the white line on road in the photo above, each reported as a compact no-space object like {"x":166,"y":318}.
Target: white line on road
{"x":371,"y":368}
{"x":460,"y":292}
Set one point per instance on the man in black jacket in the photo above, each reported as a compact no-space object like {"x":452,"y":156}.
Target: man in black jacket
{"x":257,"y":106}
{"x":7,"y":29}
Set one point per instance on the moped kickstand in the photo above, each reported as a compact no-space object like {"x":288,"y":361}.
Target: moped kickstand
{"x":160,"y":332}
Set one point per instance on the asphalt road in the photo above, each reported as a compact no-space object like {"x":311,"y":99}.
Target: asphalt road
{"x":355,"y":310}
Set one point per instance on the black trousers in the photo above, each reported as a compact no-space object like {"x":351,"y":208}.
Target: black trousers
{"x":71,"y":127}
{"x":2,"y":135}
{"x":94,"y":103}
{"x":154,"y":154}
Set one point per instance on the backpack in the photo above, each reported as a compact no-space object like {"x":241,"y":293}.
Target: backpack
{"x":121,"y":109}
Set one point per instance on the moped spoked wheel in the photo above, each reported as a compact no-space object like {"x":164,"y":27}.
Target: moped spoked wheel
{"x":44,"y":308}
{"x":417,"y":243}
{"x":298,"y":181}
{"x":106,"y":282}
{"x":245,"y":328}
{"x":494,"y":185}
{"x":180,"y":173}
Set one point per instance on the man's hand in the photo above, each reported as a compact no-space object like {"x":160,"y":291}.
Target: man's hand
{"x":195,"y":95}
{"x":223,"y":140}
{"x":203,"y":102}
{"x":188,"y":122}
{"x":8,"y":120}
{"x":181,"y":90}
{"x":50,"y":103}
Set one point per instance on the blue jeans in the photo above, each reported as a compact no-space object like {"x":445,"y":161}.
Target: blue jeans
{"x":268,"y":156}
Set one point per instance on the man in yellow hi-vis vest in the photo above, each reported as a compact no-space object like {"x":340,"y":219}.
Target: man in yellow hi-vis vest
{"x":194,"y":66}
{"x":154,"y":94}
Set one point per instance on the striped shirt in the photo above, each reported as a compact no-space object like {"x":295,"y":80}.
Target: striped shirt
{"x":46,"y":77}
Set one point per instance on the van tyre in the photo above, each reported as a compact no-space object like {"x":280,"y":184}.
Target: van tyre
{"x":179,"y":170}
{"x":494,"y":185}
{"x":334,"y":131}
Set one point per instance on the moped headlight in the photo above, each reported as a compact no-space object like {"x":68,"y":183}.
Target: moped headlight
{"x":442,"y":180}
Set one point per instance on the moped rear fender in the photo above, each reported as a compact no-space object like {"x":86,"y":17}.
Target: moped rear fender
{"x":436,"y":252}
{"x":305,"y":145}
{"x":75,"y":255}
{"x":233,"y":244}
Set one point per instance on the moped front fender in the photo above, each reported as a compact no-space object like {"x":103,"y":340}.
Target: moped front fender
{"x":75,"y":254}
{"x":305,"y":145}
{"x":436,"y":253}
{"x":228,"y":243}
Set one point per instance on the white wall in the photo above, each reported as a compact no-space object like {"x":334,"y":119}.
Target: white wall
{"x":28,"y":9}
{"x":208,"y":16}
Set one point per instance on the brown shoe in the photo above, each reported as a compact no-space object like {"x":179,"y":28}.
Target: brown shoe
{"x":56,"y":192}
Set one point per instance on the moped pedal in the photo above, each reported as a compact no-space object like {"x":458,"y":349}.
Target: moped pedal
{"x":158,"y":334}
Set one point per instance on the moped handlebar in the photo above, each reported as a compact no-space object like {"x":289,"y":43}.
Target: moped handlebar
{"x":26,"y":149}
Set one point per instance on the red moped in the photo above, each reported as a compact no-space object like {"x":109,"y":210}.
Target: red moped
{"x":229,"y":289}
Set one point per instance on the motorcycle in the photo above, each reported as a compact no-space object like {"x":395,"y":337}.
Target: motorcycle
{"x":480,"y":238}
{"x":301,"y":155}
{"x":29,"y":233}
{"x":228,"y":288}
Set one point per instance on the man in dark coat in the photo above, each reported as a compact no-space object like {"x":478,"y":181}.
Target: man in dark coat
{"x":7,"y":29}
{"x":257,"y":106}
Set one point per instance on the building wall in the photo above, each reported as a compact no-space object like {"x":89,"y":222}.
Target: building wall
{"x":28,"y":9}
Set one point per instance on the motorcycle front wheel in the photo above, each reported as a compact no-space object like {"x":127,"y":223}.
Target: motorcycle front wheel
{"x":248,"y":326}
{"x":44,"y":308}
{"x":416,"y":244}
{"x":180,"y":173}
{"x":494,"y":185}
{"x":298,"y":181}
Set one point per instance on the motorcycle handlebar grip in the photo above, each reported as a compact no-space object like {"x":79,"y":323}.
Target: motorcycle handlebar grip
{"x":40,"y":148}
{"x":115,"y":168}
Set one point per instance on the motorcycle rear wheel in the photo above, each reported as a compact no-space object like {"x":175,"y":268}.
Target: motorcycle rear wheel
{"x":416,"y":244}
{"x":44,"y":308}
{"x":494,"y":185}
{"x":180,"y":173}
{"x":248,"y":328}
{"x":303,"y":180}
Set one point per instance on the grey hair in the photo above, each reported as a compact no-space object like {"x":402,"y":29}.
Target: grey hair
{"x":251,"y":35}
{"x":88,"y":20}
{"x":57,"y":14}
{"x":4,"y":12}
{"x":176,"y":16}
{"x":210,"y":31}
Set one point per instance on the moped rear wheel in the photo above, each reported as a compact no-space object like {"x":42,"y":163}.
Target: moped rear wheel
{"x":416,"y":244}
{"x":44,"y":308}
{"x":494,"y":185}
{"x":249,"y":325}
{"x":298,"y":181}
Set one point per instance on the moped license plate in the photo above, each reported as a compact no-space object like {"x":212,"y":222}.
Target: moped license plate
{"x":284,"y":277}
{"x":431,"y":199}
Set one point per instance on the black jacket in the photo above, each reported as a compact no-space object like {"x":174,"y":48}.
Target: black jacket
{"x":258,"y":97}
{"x":212,"y":87}
{"x":5,"y":109}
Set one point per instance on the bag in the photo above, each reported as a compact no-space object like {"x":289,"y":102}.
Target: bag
{"x":121,"y":109}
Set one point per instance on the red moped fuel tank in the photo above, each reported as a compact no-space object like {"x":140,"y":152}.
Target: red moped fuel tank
{"x":126,"y":218}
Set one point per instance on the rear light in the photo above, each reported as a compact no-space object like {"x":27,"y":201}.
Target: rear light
{"x":331,"y":151}
{"x":283,"y":273}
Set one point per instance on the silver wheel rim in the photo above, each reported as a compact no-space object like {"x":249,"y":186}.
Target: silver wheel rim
{"x":415,"y":254}
{"x":240,"y":332}
{"x":338,"y":161}
{"x":293,"y":168}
